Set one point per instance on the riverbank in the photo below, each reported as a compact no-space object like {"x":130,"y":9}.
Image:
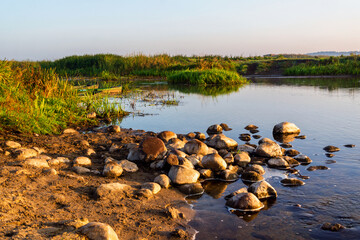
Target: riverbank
{"x":41,"y":201}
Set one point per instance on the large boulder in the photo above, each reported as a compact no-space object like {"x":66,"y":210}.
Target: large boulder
{"x":153,"y":148}
{"x":214,"y":162}
{"x":269,"y":150}
{"x":245,"y":201}
{"x":214,"y":129}
{"x":286,"y":128}
{"x":183,"y":175}
{"x":166,"y":135}
{"x":220,"y":141}
{"x":196,"y":147}
{"x":98,"y":231}
{"x":262,"y":190}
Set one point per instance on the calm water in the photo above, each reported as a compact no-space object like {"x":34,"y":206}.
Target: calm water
{"x":326,"y":110}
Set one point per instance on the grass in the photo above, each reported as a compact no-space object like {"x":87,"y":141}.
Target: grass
{"x":35,"y":100}
{"x":206,"y":77}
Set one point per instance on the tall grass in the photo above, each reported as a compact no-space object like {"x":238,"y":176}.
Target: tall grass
{"x":33,"y":99}
{"x":206,"y":77}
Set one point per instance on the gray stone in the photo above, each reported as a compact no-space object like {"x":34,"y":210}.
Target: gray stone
{"x":214,"y":162}
{"x":263,"y":190}
{"x":183,"y":175}
{"x":128,"y":166}
{"x":82,"y":161}
{"x":135,"y":155}
{"x":98,"y":231}
{"x":81,"y":170}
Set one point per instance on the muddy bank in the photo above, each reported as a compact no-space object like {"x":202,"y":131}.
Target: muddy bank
{"x":38,"y":203}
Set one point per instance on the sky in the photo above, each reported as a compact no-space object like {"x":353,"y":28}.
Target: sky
{"x":52,"y":29}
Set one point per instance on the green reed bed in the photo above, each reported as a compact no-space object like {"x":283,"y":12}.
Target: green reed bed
{"x":206,"y":77}
{"x":35,"y":100}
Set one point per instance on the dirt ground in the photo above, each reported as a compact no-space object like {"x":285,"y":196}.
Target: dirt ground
{"x":35,"y":204}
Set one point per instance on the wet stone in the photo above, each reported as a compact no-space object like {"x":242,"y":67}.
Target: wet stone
{"x":286,"y":145}
{"x":349,"y":145}
{"x":301,"y":137}
{"x":192,"y":189}
{"x":269,"y":149}
{"x":214,"y":129}
{"x":214,"y":162}
{"x":330,"y":155}
{"x":245,"y":137}
{"x":251,"y":127}
{"x":183,"y":175}
{"x":228,"y":175}
{"x":229,"y":158}
{"x":332,"y":227}
{"x":225,"y":127}
{"x":206,"y":173}
{"x":263,"y":190}
{"x":245,"y":201}
{"x":278,"y":163}
{"x":303,"y":159}
{"x":286,"y":128}
{"x":223,"y":152}
{"x":329,"y":161}
{"x":256,"y":168}
{"x":331,"y":149}
{"x":256,"y":136}
{"x":242,"y":159}
{"x":251,"y":176}
{"x":292,"y":182}
{"x":254,"y":131}
{"x":241,"y":190}
{"x":291,"y":161}
{"x":292,"y":152}
{"x":196,"y":147}
{"x":313,"y":168}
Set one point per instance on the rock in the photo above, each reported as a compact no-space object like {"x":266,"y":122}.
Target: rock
{"x":349,"y":145}
{"x":179,"y":153}
{"x":256,"y":136}
{"x":331,"y":148}
{"x":332,"y":227}
{"x":98,"y":231}
{"x":291,"y":182}
{"x":70,"y":131}
{"x":254,"y":131}
{"x":58,"y":161}
{"x":225,"y":127}
{"x":173,"y":213}
{"x":112,"y":190}
{"x":292,"y":152}
{"x":200,"y":136}
{"x":113,"y":129}
{"x":185,"y":162}
{"x":112,"y":170}
{"x":228,"y":175}
{"x":90,"y":151}
{"x":262,"y":190}
{"x":84,"y":143}
{"x":313,"y":168}
{"x":145,"y":193}
{"x":114,"y":148}
{"x":245,"y":137}
{"x":135,"y":155}
{"x":166,"y":136}
{"x":179,"y":233}
{"x":12,"y":144}
{"x":291,"y":161}
{"x":175,"y":143}
{"x":81,"y":170}
{"x":214,"y":162}
{"x":286,"y":128}
{"x":303,"y":159}
{"x":241,"y":190}
{"x":259,"y":160}
{"x":269,"y":150}
{"x":183,"y":175}
{"x":192,"y":189}
{"x":50,"y":171}
{"x":278,"y":163}
{"x":256,"y":168}
{"x":82,"y":161}
{"x":286,"y":145}
{"x":128,"y":166}
{"x":37,"y":163}
{"x":206,"y":173}
{"x":246,"y":148}
{"x":196,"y":147}
{"x":220,"y":141}
{"x":300,"y":137}
{"x":223,"y":152}
{"x":329,"y":161}
{"x":191,"y":135}
{"x":163,"y":180}
{"x":158,"y":164}
{"x":245,"y":201}
{"x":265,"y":140}
{"x":251,"y":176}
{"x":242,"y":159}
{"x":251,"y":127}
{"x":153,"y":148}
{"x":24,"y":153}
{"x":195,"y":159}
{"x":152,"y":186}
{"x":172,"y":160}
{"x":229,"y":158}
{"x":211,"y":150}
{"x":91,"y":115}
{"x":330,"y":155}
{"x":214,"y":129}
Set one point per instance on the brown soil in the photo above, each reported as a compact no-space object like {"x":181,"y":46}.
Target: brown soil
{"x":36,"y":205}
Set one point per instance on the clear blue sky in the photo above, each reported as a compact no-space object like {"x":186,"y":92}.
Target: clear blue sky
{"x":51,"y":29}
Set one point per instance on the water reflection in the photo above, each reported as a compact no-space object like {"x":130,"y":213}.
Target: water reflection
{"x":206,"y":90}
{"x":285,"y":138}
{"x":214,"y":188}
{"x":250,"y":216}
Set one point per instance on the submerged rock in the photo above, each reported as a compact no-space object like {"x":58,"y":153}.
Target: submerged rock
{"x":228,"y":175}
{"x":331,"y":148}
{"x":292,"y":182}
{"x":313,"y":168}
{"x":332,"y":227}
{"x":245,"y":202}
{"x":256,"y":136}
{"x":286,"y":145}
{"x":192,"y":189}
{"x":330,"y":155}
{"x":286,"y":128}
{"x":291,"y":161}
{"x":263,"y":190}
{"x":183,"y":175}
{"x":251,"y":176}
{"x":214,"y":162}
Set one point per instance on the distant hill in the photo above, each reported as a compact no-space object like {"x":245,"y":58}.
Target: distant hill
{"x":333,"y":53}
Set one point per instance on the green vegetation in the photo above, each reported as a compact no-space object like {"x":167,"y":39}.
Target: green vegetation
{"x":35,"y":100}
{"x":206,"y":77}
